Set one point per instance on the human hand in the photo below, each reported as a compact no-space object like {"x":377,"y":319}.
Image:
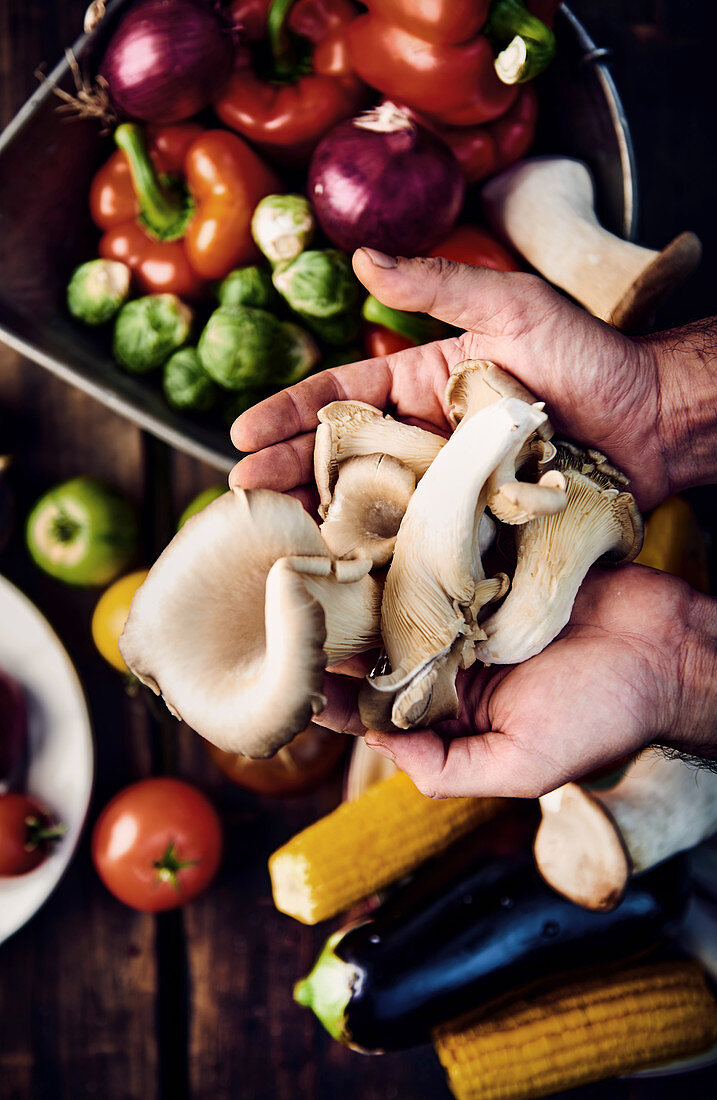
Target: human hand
{"x":631,"y":668}
{"x":600,"y":387}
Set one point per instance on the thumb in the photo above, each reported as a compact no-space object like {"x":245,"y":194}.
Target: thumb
{"x":480,"y":766}
{"x":479,"y":299}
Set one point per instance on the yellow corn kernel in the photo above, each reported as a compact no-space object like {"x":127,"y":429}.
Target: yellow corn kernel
{"x":581,"y":1030}
{"x":364,"y":845}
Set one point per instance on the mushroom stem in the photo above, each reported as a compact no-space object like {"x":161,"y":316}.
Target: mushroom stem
{"x":436,"y":584}
{"x":659,"y":808}
{"x":544,"y":207}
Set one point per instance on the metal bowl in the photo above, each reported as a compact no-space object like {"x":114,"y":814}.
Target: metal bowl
{"x":45,"y":228}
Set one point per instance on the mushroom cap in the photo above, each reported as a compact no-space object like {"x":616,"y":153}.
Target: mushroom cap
{"x":579,"y":850}
{"x":475,"y":383}
{"x":225,"y":627}
{"x":350,"y":428}
{"x":369,"y":501}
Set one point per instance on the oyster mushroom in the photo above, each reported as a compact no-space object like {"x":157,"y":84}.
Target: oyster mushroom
{"x":477,"y":383}
{"x":600,"y":521}
{"x":436,"y":585}
{"x":348,"y":428}
{"x":369,"y":501}
{"x":590,"y":841}
{"x":238,"y":618}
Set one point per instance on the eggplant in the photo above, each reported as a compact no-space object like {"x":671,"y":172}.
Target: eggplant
{"x":435,"y":950}
{"x":13,"y":729}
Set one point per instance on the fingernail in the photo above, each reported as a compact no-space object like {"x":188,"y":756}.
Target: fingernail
{"x":381,"y":749}
{"x":380,"y":259}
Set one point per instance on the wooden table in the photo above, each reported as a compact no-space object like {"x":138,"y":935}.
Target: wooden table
{"x":99,"y":1001}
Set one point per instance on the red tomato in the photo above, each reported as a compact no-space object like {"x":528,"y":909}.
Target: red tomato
{"x":157,"y":844}
{"x":27,"y":833}
{"x":380,"y":340}
{"x":471,"y":244}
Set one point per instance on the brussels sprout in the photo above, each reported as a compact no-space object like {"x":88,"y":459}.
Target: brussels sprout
{"x":248,"y":286}
{"x":301,"y":352}
{"x":341,"y":329}
{"x":243,"y":348}
{"x":186,"y":384}
{"x":340,"y":356}
{"x":149,"y":329}
{"x":97,"y":289}
{"x":282,"y":226}
{"x":319,"y":284}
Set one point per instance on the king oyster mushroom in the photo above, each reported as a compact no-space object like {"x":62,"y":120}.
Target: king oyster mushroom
{"x":600,"y":521}
{"x":477,"y":383}
{"x":239,"y":616}
{"x":590,"y":841}
{"x":436,"y":585}
{"x":349,"y":428}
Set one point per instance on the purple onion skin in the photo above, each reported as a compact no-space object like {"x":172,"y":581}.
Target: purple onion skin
{"x":167,"y":60}
{"x":13,"y":728}
{"x":399,"y":192}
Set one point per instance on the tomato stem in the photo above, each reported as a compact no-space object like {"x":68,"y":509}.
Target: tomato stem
{"x":41,"y":832}
{"x":169,"y":866}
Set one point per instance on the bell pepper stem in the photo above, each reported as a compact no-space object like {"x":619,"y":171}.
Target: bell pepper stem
{"x":418,"y":327}
{"x":526,"y":46}
{"x":164,"y":210}
{"x":278,"y":38}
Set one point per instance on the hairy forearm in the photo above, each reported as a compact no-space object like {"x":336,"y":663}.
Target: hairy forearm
{"x":694,"y":729}
{"x":686,"y":360}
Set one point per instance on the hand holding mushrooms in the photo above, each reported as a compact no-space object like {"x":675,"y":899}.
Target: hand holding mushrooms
{"x":636,"y":661}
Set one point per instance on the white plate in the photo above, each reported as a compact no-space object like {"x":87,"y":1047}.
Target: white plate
{"x":61,"y":751}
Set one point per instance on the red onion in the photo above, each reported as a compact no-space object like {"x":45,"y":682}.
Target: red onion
{"x":167,"y":60}
{"x":384,"y":181}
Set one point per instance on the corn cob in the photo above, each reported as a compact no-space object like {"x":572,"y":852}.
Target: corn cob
{"x":580,"y":1031}
{"x":364,"y":845}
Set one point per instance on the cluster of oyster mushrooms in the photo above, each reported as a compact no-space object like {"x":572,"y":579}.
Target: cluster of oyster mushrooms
{"x":252,"y":600}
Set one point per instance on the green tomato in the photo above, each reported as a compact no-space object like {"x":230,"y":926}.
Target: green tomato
{"x":149,"y":329}
{"x":82,"y":532}
{"x":243,"y":348}
{"x":319,"y":283}
{"x":248,"y":286}
{"x":186,"y":384}
{"x":282,"y":226}
{"x":97,"y":289}
{"x":201,"y":500}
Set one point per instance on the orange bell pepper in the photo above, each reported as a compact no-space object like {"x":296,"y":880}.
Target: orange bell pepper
{"x":177,"y":210}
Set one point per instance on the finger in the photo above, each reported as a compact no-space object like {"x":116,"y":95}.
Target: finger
{"x":307,"y":497}
{"x":280,"y":467}
{"x":475,"y":298}
{"x":341,"y":712}
{"x":486,"y":765}
{"x":293,"y":410}
{"x":359,"y":665}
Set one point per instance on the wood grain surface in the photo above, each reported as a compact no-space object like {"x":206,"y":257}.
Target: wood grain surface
{"x":97,"y":1001}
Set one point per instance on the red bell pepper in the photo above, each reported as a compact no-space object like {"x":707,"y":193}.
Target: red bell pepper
{"x":290,"y":95}
{"x":379,"y":340}
{"x":429,"y":63}
{"x":471,"y":244}
{"x":482,"y":151}
{"x":178,"y":210}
